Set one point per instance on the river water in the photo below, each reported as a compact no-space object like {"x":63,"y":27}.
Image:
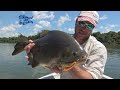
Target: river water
{"x":15,"y":67}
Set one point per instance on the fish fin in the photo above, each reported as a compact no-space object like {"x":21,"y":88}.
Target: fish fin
{"x":29,"y":63}
{"x":30,"y":59}
{"x":19,"y":47}
{"x":34,"y":63}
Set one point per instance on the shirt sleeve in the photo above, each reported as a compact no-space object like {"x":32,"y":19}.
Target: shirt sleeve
{"x":96,"y":61}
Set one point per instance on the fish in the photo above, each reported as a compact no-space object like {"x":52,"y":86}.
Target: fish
{"x":55,"y":49}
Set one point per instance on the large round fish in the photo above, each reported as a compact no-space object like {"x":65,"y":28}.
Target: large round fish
{"x":57,"y":48}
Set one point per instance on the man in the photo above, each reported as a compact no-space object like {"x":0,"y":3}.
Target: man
{"x":97,"y":53}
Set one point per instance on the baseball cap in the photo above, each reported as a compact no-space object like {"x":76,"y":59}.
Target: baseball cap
{"x":91,"y":16}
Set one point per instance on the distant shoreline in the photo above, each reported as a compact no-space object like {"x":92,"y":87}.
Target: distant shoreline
{"x":110,"y":39}
{"x":117,"y":46}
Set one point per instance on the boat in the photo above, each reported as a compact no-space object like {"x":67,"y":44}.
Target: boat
{"x":57,"y":76}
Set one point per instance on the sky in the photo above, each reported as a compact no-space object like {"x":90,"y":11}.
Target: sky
{"x":52,"y":20}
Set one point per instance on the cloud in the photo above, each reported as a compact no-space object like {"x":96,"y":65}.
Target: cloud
{"x":104,"y":29}
{"x":107,"y":29}
{"x":95,"y":30}
{"x":23,"y":12}
{"x":118,"y":30}
{"x":103,"y":17}
{"x":101,"y":27}
{"x":9,"y":31}
{"x":38,"y":15}
{"x":71,"y":29}
{"x":63,"y":19}
{"x":75,"y":18}
{"x":36,"y":27}
{"x":60,"y":29}
{"x":113,"y":25}
{"x":44,"y":23}
{"x":34,"y":32}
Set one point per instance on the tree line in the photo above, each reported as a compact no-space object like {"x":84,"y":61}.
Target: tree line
{"x":23,"y":38}
{"x":106,"y":38}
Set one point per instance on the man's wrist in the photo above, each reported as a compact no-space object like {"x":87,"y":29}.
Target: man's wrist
{"x":76,"y":68}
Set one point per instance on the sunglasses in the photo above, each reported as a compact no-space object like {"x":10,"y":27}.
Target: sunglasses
{"x":83,"y":24}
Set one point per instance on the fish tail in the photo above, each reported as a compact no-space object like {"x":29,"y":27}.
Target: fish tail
{"x":19,"y":47}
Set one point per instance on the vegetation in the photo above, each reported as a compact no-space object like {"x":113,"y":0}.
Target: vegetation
{"x":106,"y":38}
{"x":23,"y":38}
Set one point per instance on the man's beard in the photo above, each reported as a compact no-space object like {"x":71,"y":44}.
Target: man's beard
{"x":79,"y":39}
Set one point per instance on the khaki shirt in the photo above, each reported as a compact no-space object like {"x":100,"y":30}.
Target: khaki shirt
{"x":97,"y":56}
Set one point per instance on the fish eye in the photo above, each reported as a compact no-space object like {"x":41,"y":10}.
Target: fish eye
{"x":63,"y":55}
{"x":82,"y":57}
{"x":74,"y":53}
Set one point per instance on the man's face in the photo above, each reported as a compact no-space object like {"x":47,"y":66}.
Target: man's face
{"x":83,"y":30}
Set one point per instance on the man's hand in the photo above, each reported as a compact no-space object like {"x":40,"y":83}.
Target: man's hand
{"x":29,"y":47}
{"x":57,"y":70}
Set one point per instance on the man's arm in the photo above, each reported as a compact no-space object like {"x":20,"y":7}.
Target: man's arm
{"x":94,"y":67}
{"x":77,"y":73}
